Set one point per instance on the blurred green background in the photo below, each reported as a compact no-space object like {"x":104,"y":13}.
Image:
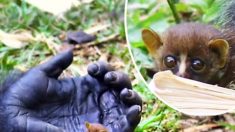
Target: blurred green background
{"x":17,"y":16}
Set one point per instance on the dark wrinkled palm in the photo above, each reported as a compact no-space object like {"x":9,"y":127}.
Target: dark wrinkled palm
{"x":39,"y":101}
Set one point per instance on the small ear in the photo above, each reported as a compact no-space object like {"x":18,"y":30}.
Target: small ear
{"x":221,"y":48}
{"x":151,"y":40}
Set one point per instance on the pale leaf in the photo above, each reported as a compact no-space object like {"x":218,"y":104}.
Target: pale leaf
{"x":16,"y":40}
{"x":192,"y":97}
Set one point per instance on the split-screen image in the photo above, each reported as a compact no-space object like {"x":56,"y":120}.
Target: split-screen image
{"x":117,"y":66}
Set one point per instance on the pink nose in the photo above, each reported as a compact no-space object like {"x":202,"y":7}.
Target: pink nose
{"x":184,"y":75}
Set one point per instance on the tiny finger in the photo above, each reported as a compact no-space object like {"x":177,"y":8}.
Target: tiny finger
{"x":134,"y":115}
{"x":99,"y":69}
{"x":55,"y":66}
{"x":130,"y":97}
{"x":117,"y":80}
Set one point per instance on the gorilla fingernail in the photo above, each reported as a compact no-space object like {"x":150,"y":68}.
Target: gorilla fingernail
{"x":133,"y":114}
{"x":127,"y":93}
{"x":93,"y":69}
{"x":110,"y":77}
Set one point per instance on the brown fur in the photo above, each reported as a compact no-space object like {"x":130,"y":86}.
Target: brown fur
{"x":193,"y":40}
{"x":189,"y":36}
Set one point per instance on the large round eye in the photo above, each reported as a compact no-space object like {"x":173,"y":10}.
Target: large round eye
{"x":197,"y":65}
{"x":170,"y":61}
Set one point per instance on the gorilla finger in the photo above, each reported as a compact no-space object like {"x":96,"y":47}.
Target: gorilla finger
{"x":99,"y":69}
{"x":134,"y":115}
{"x":55,"y":66}
{"x":130,"y":97}
{"x":117,"y":80}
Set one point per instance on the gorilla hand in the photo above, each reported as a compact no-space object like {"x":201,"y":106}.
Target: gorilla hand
{"x":39,"y":101}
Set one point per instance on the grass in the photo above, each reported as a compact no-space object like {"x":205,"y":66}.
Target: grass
{"x":18,"y":15}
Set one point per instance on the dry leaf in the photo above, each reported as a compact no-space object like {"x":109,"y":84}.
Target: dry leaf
{"x":192,"y":97}
{"x":16,"y":40}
